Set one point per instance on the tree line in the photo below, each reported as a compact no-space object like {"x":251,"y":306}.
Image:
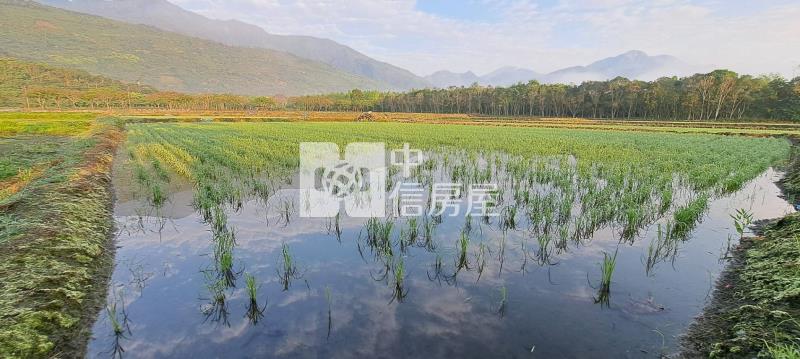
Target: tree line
{"x":719,"y":95}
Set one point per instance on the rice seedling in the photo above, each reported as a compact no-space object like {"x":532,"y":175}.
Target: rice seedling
{"x":251,"y":286}
{"x":157,"y":196}
{"x":224,"y":242}
{"x":379,"y":231}
{"x":117,"y":316}
{"x":399,"y":292}
{"x":413,"y":230}
{"x":462,"y":262}
{"x":285,"y":210}
{"x":467,"y":224}
{"x":429,"y":227}
{"x":544,"y":252}
{"x":436,"y":217}
{"x":337,"y":228}
{"x":119,"y":324}
{"x":438,"y":268}
{"x":217,"y":308}
{"x":254,"y":312}
{"x":287,"y":268}
{"x":219,"y":220}
{"x":606,"y":271}
{"x":508,"y":218}
{"x":480,"y":258}
{"x":379,"y":236}
{"x":563,"y":238}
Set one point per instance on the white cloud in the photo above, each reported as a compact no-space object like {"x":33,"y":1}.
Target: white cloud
{"x":743,"y":36}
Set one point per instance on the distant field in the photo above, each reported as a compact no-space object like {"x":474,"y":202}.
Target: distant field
{"x":751,"y":128}
{"x":72,"y":123}
{"x":45,"y":123}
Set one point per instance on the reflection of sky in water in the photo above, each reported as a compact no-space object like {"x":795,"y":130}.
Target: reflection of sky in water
{"x":550,"y":307}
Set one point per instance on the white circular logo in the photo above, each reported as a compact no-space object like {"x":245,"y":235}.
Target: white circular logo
{"x":342,"y":180}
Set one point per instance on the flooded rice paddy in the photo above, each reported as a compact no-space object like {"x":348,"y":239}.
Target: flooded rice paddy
{"x":525,"y":283}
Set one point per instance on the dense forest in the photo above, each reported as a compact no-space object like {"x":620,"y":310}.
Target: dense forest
{"x":719,"y":95}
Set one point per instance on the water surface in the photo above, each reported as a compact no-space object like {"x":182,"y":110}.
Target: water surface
{"x":520,"y":305}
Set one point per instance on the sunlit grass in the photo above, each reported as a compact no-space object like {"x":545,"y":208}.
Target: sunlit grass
{"x":46,"y":123}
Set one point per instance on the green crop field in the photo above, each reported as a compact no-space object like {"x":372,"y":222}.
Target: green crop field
{"x":592,"y":179}
{"x":300,"y":179}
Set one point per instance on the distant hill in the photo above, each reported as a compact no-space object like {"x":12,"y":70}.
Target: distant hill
{"x":632,"y":64}
{"x":168,"y":61}
{"x":504,"y":76}
{"x":22,"y":83}
{"x":509,"y":75}
{"x":444,"y":79}
{"x":167,"y":16}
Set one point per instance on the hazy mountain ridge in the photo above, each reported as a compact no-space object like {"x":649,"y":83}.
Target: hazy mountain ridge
{"x":509,"y":75}
{"x":166,"y":60}
{"x":446,"y":78}
{"x":167,"y":16}
{"x":632,"y":64}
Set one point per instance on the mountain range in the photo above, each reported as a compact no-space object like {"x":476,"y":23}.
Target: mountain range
{"x":165,"y":60}
{"x":157,"y":43}
{"x":632,"y":64}
{"x":166,"y":16}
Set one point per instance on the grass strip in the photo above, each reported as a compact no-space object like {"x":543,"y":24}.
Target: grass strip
{"x":55,"y":254}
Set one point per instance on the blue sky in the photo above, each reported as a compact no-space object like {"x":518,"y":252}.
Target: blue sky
{"x":543,"y":35}
{"x":471,"y":10}
{"x":468,"y":10}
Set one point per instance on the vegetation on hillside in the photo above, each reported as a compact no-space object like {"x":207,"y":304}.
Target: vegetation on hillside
{"x":35,"y":86}
{"x":164,"y":15}
{"x":168,"y":61}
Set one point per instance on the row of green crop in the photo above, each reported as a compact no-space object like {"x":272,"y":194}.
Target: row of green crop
{"x":558,"y":183}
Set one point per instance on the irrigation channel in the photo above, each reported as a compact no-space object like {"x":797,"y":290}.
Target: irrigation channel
{"x":530,"y":280}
